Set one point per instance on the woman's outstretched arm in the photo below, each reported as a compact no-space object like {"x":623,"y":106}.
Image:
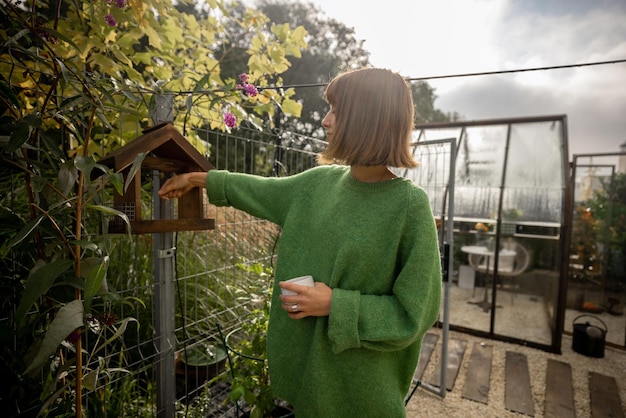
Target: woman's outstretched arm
{"x":177,"y":186}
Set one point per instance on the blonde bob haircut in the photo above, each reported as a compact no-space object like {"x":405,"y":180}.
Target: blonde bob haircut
{"x":373,"y":119}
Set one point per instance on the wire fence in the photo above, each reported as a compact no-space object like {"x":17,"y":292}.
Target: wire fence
{"x":221,"y":276}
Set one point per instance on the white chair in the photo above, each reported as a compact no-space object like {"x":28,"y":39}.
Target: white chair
{"x":513,"y":260}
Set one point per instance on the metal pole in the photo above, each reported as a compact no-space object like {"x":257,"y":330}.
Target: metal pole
{"x":447,"y":222}
{"x":163,"y":307}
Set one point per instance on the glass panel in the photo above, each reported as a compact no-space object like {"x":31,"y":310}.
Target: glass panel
{"x":534,"y":176}
{"x":597,"y":263}
{"x":527,"y":291}
{"x":479,"y":164}
{"x":433,"y":173}
{"x":531,"y":218}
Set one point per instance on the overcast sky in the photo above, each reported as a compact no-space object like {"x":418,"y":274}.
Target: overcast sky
{"x":423,"y":38}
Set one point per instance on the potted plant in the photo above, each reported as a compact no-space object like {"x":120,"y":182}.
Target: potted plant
{"x":200,"y":363}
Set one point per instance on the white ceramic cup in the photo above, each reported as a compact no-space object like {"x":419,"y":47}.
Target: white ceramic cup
{"x":302,"y":281}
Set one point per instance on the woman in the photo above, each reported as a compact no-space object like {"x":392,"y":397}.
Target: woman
{"x":348,"y":346}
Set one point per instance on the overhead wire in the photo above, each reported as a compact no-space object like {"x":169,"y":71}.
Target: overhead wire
{"x":410,"y":79}
{"x":475,"y":74}
{"x":520,"y":70}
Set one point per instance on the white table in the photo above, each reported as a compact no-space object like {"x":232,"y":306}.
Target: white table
{"x":506,"y":259}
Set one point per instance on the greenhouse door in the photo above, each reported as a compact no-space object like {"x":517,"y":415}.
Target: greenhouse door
{"x":596,"y":289}
{"x":435,"y":174}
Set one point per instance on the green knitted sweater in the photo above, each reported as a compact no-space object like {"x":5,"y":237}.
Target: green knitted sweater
{"x":375,"y":245}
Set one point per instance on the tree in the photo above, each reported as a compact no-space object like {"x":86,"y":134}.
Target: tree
{"x":424,"y":100}
{"x":332,"y":48}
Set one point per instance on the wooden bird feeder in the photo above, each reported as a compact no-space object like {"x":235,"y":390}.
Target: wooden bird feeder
{"x":168,"y":152}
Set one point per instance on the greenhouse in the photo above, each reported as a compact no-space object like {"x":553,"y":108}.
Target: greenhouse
{"x":507,"y":188}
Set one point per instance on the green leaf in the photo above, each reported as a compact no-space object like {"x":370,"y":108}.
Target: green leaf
{"x":22,"y":130}
{"x":26,"y":231}
{"x":201,"y":83}
{"x":123,"y":58}
{"x":67,"y":177}
{"x":88,"y":245}
{"x":117,"y":179}
{"x":90,"y":379}
{"x":13,"y":39}
{"x":236,"y":393}
{"x":106,"y":93}
{"x":129,"y":94}
{"x":64,"y":72}
{"x":8,"y":93}
{"x":95,"y":278}
{"x":39,"y":183}
{"x":118,"y":333}
{"x":256,"y":412}
{"x":110,"y":211}
{"x":291,"y":107}
{"x":85,"y":164}
{"x":134,"y":168}
{"x":72,"y":102}
{"x":58,"y":35}
{"x":40,"y":279}
{"x":67,"y":319}
{"x":152,"y":104}
{"x":249,"y":397}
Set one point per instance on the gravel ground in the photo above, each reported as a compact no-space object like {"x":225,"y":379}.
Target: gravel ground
{"x":425,"y":404}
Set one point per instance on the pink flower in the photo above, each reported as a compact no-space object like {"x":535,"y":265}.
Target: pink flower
{"x":110,"y":20}
{"x":230,"y":120}
{"x":243,"y":77}
{"x":120,"y":3}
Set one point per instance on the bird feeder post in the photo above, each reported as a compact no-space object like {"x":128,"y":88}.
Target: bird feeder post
{"x":164,"y":306}
{"x":165,"y":152}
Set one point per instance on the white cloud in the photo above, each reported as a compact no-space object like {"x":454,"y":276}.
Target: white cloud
{"x":433,"y":38}
{"x":422,"y":38}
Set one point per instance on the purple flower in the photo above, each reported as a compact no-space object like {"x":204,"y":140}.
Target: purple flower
{"x":107,"y":318}
{"x":243,"y":77}
{"x":120,"y":3}
{"x":73,"y":337}
{"x":230,"y":120}
{"x":250,"y":90}
{"x":110,"y":20}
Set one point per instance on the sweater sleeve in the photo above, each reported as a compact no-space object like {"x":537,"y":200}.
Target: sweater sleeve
{"x":394,"y":321}
{"x":264,"y":197}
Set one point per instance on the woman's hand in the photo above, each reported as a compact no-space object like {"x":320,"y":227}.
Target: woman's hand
{"x":177,"y":186}
{"x":310,"y":301}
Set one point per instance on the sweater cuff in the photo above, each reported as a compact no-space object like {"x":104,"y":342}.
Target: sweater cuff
{"x":343,"y":321}
{"x":216,"y":187}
